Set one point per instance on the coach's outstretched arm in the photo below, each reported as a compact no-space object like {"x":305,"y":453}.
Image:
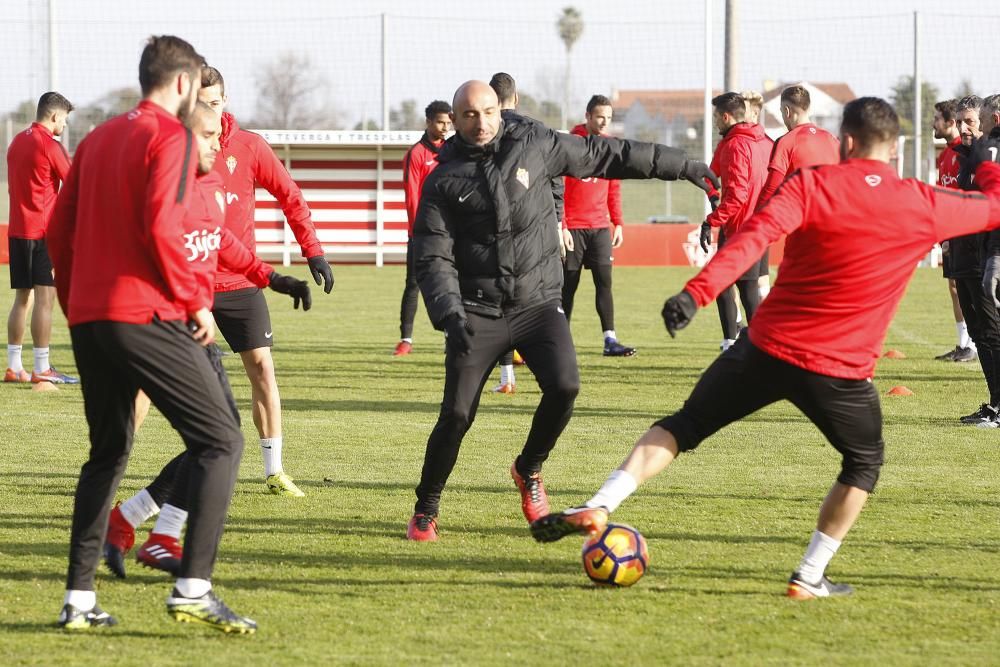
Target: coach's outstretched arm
{"x":607,"y":157}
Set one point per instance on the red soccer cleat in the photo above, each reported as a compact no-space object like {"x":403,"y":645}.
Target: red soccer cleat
{"x":53,"y":376}
{"x":119,"y":541}
{"x":422,"y":528}
{"x":20,"y":376}
{"x":403,"y":348}
{"x":161,"y":552}
{"x":534,"y":501}
{"x":507,"y":388}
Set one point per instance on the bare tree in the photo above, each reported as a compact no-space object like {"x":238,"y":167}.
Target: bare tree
{"x":291,"y":95}
{"x":570,"y":27}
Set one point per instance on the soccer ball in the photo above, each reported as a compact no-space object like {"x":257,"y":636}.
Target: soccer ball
{"x":616,"y":557}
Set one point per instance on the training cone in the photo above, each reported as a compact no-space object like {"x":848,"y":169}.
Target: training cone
{"x":900,"y":391}
{"x":44,"y":386}
{"x":894,"y":354}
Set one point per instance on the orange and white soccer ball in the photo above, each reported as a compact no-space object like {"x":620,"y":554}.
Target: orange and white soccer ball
{"x":616,"y":557}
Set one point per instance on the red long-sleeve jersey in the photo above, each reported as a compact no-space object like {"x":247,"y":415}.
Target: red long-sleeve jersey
{"x":36,"y":165}
{"x":845,"y":266}
{"x":590,"y":202}
{"x":741,"y":158}
{"x":116,"y":237}
{"x":419,"y":161}
{"x":949,"y":164}
{"x":210,"y":245}
{"x":247,"y":160}
{"x":803,"y":146}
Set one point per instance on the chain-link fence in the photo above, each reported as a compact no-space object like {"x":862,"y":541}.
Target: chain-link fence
{"x":333,"y":65}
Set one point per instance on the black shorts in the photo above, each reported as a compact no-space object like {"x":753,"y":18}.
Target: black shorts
{"x":745,"y":379}
{"x":764,"y":268}
{"x":591,"y":247}
{"x":29,"y":263}
{"x":243,"y":319}
{"x":755,"y":271}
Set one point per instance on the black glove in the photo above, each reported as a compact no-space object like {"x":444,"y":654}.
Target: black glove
{"x":460,"y":334}
{"x":678,"y":312}
{"x":697,"y":172}
{"x":293,"y":287}
{"x":714,"y":201}
{"x":321,"y":272}
{"x":706,"y":236}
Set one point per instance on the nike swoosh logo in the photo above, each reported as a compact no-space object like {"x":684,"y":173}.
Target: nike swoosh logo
{"x":464,"y":197}
{"x":560,"y":310}
{"x":268,"y":334}
{"x":430,"y":162}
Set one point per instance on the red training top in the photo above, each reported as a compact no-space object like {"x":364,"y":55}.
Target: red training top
{"x":117,"y":237}
{"x":210,"y":245}
{"x":247,"y":160}
{"x":803,"y":146}
{"x":589,"y":202}
{"x":741,"y":158}
{"x":845,"y":267}
{"x":36,"y":165}
{"x":949,"y":164}
{"x":419,"y":161}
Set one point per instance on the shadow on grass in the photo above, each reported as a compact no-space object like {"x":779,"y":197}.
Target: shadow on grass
{"x":96,"y":634}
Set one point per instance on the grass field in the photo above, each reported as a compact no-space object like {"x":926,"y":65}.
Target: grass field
{"x":331,"y":580}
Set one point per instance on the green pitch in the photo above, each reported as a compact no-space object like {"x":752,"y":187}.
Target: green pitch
{"x":331,"y":580}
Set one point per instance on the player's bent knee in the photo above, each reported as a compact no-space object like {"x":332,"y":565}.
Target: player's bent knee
{"x":861,"y":470}
{"x":685,"y":430}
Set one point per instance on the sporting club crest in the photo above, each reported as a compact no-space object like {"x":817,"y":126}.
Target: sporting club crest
{"x":231,"y":163}
{"x":522,"y":177}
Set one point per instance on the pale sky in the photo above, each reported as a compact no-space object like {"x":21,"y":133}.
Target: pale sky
{"x":433,"y":47}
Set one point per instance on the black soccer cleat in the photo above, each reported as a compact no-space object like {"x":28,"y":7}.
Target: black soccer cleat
{"x":208,"y":610}
{"x":800,"y":589}
{"x":581,"y":520}
{"x":72,"y":618}
{"x":963,"y":354}
{"x":115,"y":560}
{"x":949,"y":355}
{"x":612,"y":348}
{"x":985,"y":413}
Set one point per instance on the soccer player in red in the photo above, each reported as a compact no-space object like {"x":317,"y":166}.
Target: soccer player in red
{"x":209,"y":245}
{"x":804,"y":145}
{"x":741,"y":158}
{"x":816,"y":338}
{"x":36,"y":165}
{"x":138,"y":320}
{"x":240,"y":309}
{"x":948,"y":166}
{"x":589,"y":206}
{"x":419,"y":161}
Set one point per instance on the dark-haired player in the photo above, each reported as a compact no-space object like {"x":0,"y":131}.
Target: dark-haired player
{"x":240,"y":310}
{"x":948,"y":166}
{"x":419,"y":161}
{"x":36,"y":165}
{"x":138,"y":320}
{"x":593,"y":207}
{"x":816,"y":338}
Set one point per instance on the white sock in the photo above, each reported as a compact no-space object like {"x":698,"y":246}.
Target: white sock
{"x":961,"y":327}
{"x":610,"y":333}
{"x":270,"y":448}
{"x":82,"y":600}
{"x":138,"y":508}
{"x":821,"y":549}
{"x":507,"y":374}
{"x":192,"y":588}
{"x":170,"y":522}
{"x":727,"y":343}
{"x":407,"y":340}
{"x":619,"y":486}
{"x":14,"y":358}
{"x":41,"y":359}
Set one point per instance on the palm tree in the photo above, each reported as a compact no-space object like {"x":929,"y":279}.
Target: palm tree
{"x":570,"y":27}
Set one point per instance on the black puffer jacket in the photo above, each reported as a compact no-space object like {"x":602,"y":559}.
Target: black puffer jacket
{"x":968,"y":253}
{"x":483,"y":239}
{"x":557,"y":184}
